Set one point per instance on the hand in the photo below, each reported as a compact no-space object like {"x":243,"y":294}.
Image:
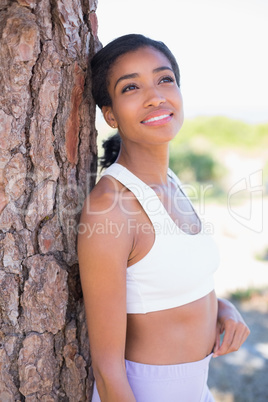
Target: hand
{"x":231,"y":322}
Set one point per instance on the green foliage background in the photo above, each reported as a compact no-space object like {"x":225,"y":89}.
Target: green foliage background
{"x":224,"y":132}
{"x":197,"y":153}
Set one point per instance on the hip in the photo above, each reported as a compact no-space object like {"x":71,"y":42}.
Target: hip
{"x":173,"y":383}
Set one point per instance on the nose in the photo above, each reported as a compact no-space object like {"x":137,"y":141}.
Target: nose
{"x":154,"y":97}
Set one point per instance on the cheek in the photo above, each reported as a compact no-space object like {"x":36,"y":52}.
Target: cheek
{"x":179,"y":98}
{"x":124,"y":111}
{"x":180,"y":106}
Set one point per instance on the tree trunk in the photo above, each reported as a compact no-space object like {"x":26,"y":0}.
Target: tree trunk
{"x":47,"y":167}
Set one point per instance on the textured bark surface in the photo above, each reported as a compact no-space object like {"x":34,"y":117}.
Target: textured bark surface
{"x":47,"y":167}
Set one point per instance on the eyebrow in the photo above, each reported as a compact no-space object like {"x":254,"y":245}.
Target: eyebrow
{"x":135,"y":75}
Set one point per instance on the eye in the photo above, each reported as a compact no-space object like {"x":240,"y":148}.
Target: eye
{"x":167,"y":78}
{"x":129,"y":87}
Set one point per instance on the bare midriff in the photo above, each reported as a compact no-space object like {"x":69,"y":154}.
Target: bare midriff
{"x":173,"y":336}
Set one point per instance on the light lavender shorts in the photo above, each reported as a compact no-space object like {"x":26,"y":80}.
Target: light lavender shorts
{"x":185,"y":382}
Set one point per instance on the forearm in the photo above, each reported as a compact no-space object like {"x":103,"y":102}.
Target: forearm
{"x":227,"y":310}
{"x":223,"y":304}
{"x":113,"y":385}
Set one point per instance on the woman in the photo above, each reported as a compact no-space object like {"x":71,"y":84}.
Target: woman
{"x":146,"y":263}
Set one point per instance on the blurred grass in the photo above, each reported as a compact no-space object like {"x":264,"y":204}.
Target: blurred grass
{"x":198,"y":153}
{"x":263,"y":255}
{"x":222,"y":131}
{"x":248,"y":294}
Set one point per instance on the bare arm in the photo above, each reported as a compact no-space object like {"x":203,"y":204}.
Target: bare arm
{"x":231,"y":322}
{"x":103,"y":261}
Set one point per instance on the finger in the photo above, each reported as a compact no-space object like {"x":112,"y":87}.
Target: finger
{"x":241,"y":334}
{"x":227,"y":342}
{"x":217,"y":340}
{"x":233,"y":339}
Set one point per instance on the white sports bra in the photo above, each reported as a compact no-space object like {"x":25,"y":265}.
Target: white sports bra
{"x":179,"y":267}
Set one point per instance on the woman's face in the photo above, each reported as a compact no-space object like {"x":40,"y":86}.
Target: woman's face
{"x":146,"y":100}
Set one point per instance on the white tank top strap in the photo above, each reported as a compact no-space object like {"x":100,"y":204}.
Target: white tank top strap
{"x":177,"y":181}
{"x":144,"y":193}
{"x":173,"y":176}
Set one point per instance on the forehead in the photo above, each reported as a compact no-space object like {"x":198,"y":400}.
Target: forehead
{"x":138,"y":61}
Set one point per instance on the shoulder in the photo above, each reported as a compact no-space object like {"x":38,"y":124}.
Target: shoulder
{"x":102,"y":203}
{"x":104,"y":195}
{"x":104,"y":238}
{"x":111,"y":198}
{"x":105,"y":216}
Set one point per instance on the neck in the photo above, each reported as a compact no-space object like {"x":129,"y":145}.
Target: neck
{"x":148,"y":162}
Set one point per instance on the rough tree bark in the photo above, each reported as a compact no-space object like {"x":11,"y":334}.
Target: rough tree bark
{"x":47,"y":151}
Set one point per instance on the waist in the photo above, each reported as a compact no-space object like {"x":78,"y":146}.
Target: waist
{"x":178,"y":335}
{"x":169,"y":371}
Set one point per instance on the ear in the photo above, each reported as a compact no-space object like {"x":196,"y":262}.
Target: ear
{"x":109,"y":116}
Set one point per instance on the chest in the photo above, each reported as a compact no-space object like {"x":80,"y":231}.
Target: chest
{"x":179,"y":208}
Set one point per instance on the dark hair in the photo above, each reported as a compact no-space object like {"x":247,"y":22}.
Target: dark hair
{"x":111,"y":148}
{"x":101,"y":64}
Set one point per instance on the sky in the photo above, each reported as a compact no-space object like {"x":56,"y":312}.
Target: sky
{"x":220,"y":45}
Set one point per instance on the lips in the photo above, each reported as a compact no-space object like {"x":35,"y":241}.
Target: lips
{"x":158,"y":117}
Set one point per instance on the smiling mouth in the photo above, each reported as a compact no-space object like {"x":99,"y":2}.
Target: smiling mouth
{"x":157,"y":118}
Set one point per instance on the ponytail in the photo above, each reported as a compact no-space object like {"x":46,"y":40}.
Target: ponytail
{"x":111,"y":148}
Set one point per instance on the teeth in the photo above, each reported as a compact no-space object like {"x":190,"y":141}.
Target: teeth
{"x":156,"y":118}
